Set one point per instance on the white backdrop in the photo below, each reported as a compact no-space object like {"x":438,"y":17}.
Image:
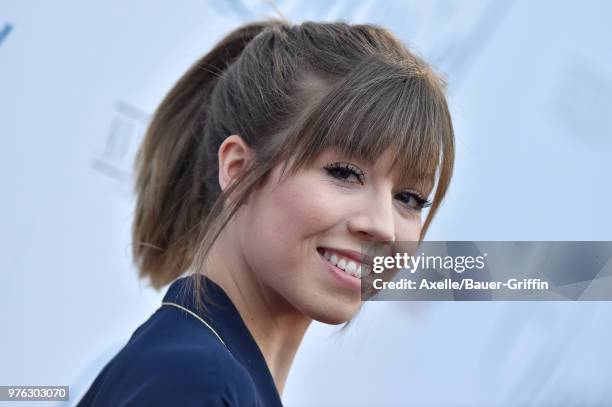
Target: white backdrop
{"x":530,"y":91}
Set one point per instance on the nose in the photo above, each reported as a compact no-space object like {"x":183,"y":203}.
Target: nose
{"x":375,"y":220}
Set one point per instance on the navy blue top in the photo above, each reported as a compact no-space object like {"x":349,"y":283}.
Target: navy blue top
{"x":174,"y":359}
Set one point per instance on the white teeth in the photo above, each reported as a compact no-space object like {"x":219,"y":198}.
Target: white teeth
{"x":348,"y":266}
{"x":353,"y":269}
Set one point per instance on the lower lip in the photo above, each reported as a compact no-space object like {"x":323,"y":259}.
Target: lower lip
{"x":344,"y":279}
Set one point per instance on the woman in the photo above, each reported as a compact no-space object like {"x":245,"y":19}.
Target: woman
{"x":263,"y":171}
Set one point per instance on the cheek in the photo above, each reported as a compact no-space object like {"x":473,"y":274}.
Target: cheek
{"x":408,"y":234}
{"x":409,"y":229}
{"x":284,"y":222}
{"x":301,"y":209}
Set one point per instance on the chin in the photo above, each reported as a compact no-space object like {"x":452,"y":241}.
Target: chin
{"x":334,"y":314}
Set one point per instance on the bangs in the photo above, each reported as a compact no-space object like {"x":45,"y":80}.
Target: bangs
{"x":380,"y":106}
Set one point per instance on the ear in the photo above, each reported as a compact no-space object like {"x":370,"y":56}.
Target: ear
{"x":234,"y":156}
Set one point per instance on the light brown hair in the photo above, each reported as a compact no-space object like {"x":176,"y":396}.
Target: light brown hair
{"x":289,"y":91}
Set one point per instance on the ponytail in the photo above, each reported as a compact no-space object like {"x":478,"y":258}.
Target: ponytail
{"x":173,"y":202}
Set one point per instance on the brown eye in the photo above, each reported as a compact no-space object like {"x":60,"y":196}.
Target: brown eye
{"x":344,"y":172}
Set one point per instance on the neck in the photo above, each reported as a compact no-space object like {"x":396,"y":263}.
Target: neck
{"x":277,"y":327}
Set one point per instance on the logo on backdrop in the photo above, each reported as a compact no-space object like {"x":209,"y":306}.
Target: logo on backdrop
{"x":4,"y":32}
{"x":115,"y":157}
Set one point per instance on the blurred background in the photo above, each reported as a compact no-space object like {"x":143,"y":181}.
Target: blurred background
{"x":530,"y":89}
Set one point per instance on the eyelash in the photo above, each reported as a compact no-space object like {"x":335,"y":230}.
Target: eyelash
{"x":334,"y":168}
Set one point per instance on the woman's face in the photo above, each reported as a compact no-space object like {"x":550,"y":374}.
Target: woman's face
{"x":337,"y":205}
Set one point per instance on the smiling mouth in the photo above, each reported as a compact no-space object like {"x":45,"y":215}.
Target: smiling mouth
{"x":348,"y":265}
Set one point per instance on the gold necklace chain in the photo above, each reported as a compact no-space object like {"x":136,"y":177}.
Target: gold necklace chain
{"x":198,"y":317}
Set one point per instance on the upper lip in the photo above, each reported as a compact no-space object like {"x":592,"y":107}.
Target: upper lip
{"x":351,"y":254}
